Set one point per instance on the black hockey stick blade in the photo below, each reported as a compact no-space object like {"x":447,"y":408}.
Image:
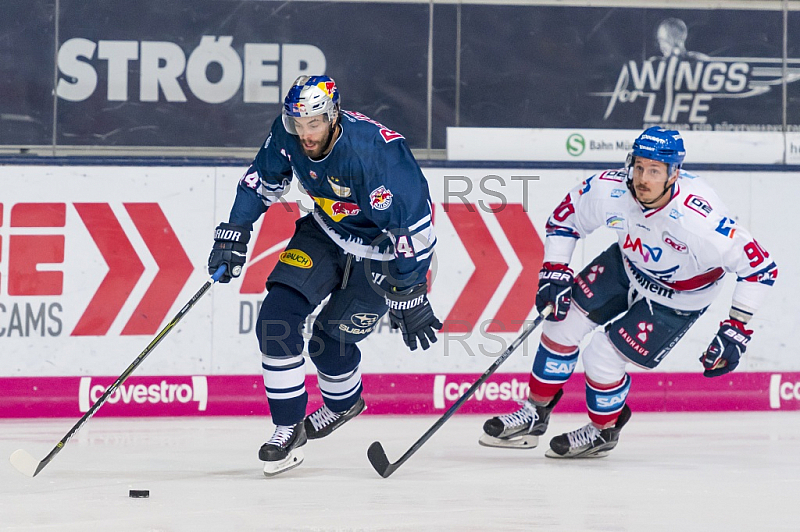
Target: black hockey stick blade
{"x":26,"y":464}
{"x":376,"y":454}
{"x":377,"y":457}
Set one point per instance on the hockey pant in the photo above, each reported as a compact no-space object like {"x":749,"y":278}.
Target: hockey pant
{"x":642,"y":333}
{"x":316,"y":267}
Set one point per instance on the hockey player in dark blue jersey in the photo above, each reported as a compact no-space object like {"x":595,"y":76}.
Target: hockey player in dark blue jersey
{"x":368,"y":244}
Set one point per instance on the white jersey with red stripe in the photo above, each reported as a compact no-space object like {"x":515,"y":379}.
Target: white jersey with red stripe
{"x":675,"y":255}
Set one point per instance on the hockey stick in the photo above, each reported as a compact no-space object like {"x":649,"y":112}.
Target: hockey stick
{"x":376,"y":454}
{"x":26,"y":464}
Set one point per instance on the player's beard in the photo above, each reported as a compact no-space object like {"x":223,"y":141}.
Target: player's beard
{"x":315,"y":150}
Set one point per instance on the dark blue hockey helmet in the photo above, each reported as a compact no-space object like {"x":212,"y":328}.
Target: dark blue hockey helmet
{"x":658,"y":144}
{"x":310,"y":96}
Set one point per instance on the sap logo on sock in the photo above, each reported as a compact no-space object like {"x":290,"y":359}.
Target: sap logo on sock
{"x":786,"y":391}
{"x":558,"y":367}
{"x":614,"y":400}
{"x":513,"y":390}
{"x":162,"y":392}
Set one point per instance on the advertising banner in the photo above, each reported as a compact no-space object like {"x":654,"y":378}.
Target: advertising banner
{"x":210,"y":73}
{"x":94,"y":261}
{"x":395,"y":394}
{"x":613,"y":145}
{"x":604,"y":68}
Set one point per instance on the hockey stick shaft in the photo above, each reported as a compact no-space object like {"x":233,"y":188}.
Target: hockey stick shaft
{"x":24,"y":462}
{"x":376,"y":454}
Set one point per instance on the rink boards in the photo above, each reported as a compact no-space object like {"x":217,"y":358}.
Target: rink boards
{"x":95,"y":260}
{"x":401,"y":394}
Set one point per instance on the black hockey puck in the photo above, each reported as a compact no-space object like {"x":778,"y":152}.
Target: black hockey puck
{"x":139,"y":494}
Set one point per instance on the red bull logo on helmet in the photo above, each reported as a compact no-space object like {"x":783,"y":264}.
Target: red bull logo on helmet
{"x":328,"y":87}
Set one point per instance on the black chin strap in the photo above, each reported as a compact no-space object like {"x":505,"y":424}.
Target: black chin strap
{"x":667,"y":188}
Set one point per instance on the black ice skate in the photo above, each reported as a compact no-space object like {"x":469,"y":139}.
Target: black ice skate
{"x":324,"y":420}
{"x":282,"y":452}
{"x":521,"y":429}
{"x":588,"y":441}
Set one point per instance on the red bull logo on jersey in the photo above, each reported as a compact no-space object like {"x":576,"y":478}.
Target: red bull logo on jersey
{"x":380,"y":198}
{"x":347,"y":209}
{"x":337,"y":209}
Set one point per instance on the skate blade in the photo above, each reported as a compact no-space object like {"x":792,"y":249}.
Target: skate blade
{"x":294,"y":459}
{"x":552,"y":454}
{"x":528,"y":441}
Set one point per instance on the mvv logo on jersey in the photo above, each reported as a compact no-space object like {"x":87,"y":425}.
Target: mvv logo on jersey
{"x":644,"y":250}
{"x":681,"y":85}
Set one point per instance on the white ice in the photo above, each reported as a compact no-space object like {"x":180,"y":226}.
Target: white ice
{"x":670,"y":472}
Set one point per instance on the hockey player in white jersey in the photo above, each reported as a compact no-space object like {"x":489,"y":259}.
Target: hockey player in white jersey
{"x":675,"y":242}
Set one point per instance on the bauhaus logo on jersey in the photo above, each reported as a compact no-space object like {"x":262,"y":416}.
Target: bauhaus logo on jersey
{"x":160,"y":391}
{"x":449,"y":391}
{"x":32,"y":272}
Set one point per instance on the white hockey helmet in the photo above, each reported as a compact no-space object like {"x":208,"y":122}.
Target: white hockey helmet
{"x":311,"y":96}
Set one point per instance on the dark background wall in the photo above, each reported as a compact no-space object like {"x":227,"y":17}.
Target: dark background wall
{"x":164,"y":74}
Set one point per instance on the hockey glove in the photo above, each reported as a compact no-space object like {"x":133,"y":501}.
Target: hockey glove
{"x":722,"y":356}
{"x":555,"y":288}
{"x":411,"y":312}
{"x":230,"y":249}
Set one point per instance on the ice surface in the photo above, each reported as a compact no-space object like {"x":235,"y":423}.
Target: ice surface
{"x":727,"y":471}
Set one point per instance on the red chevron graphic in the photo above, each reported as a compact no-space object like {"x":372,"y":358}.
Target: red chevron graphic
{"x":529,"y":249}
{"x":124,"y":269}
{"x":490,"y":267}
{"x":174,"y":268}
{"x":278,"y":225}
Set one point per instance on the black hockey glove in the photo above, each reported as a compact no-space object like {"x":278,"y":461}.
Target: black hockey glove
{"x":411,"y":312}
{"x":722,"y":356}
{"x":230,"y":249}
{"x":555,"y":288}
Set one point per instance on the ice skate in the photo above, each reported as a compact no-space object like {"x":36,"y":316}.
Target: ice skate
{"x":588,"y":441}
{"x":282,"y":452}
{"x":521,"y":429}
{"x":324,"y":420}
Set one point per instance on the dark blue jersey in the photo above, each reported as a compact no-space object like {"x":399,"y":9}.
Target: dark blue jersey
{"x":370,"y":195}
